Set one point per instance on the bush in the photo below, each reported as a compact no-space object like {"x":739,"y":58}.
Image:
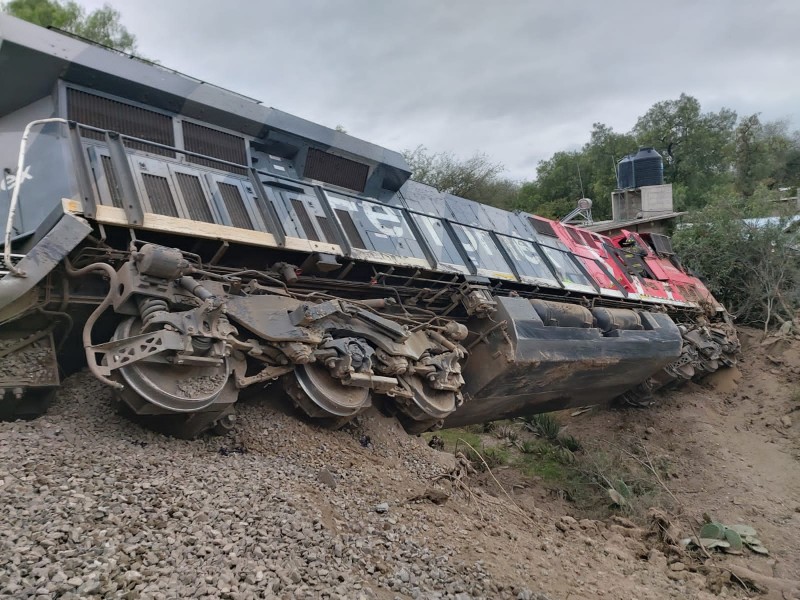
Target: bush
{"x":751,"y":265}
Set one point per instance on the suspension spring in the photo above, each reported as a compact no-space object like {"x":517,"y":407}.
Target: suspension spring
{"x":148,"y":307}
{"x":201,"y":344}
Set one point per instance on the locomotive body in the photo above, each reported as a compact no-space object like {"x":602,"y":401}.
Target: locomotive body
{"x":186,"y":244}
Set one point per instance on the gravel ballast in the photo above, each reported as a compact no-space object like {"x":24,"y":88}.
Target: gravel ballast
{"x":95,"y":505}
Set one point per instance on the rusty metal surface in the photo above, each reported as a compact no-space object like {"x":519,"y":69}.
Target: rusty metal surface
{"x":44,"y":257}
{"x":529,"y":367}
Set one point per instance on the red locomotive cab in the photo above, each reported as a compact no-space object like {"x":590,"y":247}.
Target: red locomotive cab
{"x":666,"y":266}
{"x":645,"y":268}
{"x":594,"y":257}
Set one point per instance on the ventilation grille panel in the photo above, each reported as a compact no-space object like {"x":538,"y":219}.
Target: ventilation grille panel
{"x":590,"y":239}
{"x":159,"y":194}
{"x":575,"y":235}
{"x":111,"y":180}
{"x":662,"y":244}
{"x":194,"y":197}
{"x":542,"y":227}
{"x":126,"y":119}
{"x":232,"y":198}
{"x":327,"y":230}
{"x":336,"y":170}
{"x":204,"y":140}
{"x":350,"y":229}
{"x":305,"y":220}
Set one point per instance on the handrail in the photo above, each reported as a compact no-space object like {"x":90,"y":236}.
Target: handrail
{"x":163,"y":146}
{"x":12,"y":207}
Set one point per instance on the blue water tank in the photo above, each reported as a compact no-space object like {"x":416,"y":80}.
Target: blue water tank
{"x":648,"y":168}
{"x":625,"y":173}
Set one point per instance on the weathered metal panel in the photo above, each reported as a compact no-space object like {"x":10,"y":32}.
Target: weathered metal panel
{"x":44,"y":257}
{"x":531,"y":367}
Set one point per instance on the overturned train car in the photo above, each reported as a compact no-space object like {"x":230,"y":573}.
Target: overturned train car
{"x":188,"y":244}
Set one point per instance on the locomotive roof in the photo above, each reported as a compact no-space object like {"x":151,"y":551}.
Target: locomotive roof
{"x":32,"y":58}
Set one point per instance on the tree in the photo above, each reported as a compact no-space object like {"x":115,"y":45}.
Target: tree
{"x":101,"y":25}
{"x":568,"y":176}
{"x":697,"y":147}
{"x":475,"y":178}
{"x":556,"y":189}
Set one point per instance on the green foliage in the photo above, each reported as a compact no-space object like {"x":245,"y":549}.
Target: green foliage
{"x":705,"y":155}
{"x":751,"y":267}
{"x":569,"y":442}
{"x":476,"y":178}
{"x":102,"y":25}
{"x":568,"y":176}
{"x":765,"y":154}
{"x":697,"y":147}
{"x":544,"y":425}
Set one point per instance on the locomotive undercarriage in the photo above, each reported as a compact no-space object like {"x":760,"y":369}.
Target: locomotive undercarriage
{"x":179,"y":335}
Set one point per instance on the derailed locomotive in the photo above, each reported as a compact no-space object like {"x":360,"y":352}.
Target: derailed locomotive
{"x":187,"y":244}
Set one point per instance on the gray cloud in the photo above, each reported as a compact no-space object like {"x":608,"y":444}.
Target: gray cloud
{"x":518,"y":80}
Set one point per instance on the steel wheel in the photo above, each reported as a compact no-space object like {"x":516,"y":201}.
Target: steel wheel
{"x":320,"y":395}
{"x":169,"y":388}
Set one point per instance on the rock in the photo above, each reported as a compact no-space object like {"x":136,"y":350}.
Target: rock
{"x":650,"y":430}
{"x":383,"y":507}
{"x":786,"y":421}
{"x":623,"y":522}
{"x":657,"y":558}
{"x":325,"y":477}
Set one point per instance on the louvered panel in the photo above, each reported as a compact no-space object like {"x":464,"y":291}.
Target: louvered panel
{"x":542,"y":227}
{"x":194,"y":197}
{"x":126,"y":119}
{"x":161,"y":200}
{"x":217,"y":144}
{"x":232,"y":198}
{"x":264,"y":212}
{"x":305,"y":220}
{"x":350,"y":229}
{"x":575,"y":235}
{"x":337,"y":170}
{"x":111,"y":180}
{"x":590,"y":240}
{"x":662,"y":244}
{"x":327,"y":230}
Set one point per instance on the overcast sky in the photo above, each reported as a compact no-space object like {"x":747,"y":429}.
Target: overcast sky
{"x":517,"y":80}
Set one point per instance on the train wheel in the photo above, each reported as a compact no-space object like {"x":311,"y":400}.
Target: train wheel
{"x":427,"y":408}
{"x":323,"y":397}
{"x":185,"y":400}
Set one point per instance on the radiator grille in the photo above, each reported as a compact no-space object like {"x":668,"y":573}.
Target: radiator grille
{"x":232,"y":198}
{"x":327,"y":230}
{"x":305,"y":220}
{"x":661,"y":243}
{"x":590,"y":239}
{"x":336,"y":170}
{"x":111,"y":180}
{"x":159,"y":194}
{"x":194,"y":197}
{"x":542,"y":227}
{"x":264,"y":212}
{"x":218,"y":144}
{"x":350,"y":229}
{"x":575,"y":235}
{"x":123,"y":118}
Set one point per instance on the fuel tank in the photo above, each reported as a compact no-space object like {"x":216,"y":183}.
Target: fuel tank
{"x":538,"y":356}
